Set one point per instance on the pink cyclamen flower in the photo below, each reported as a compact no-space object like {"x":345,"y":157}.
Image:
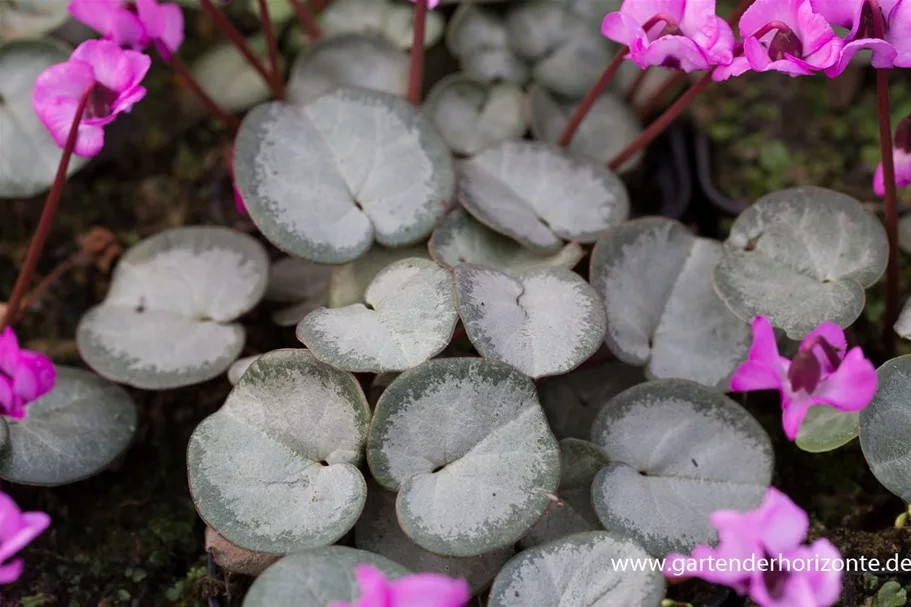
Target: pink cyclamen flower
{"x":17,"y":529}
{"x":787,"y":36}
{"x":761,"y":553}
{"x":133,"y":24}
{"x":109,"y":74}
{"x":417,"y":590}
{"x":890,"y":46}
{"x":901,"y":158}
{"x":676,"y":34}
{"x":25,"y":376}
{"x":820,"y":373}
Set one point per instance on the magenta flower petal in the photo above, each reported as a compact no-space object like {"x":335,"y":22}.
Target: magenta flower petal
{"x":786,"y":36}
{"x":115,"y":69}
{"x":417,"y":590}
{"x":793,"y":412}
{"x":24,"y":377}
{"x":239,"y":202}
{"x":675,"y":52}
{"x":902,"y":162}
{"x":782,"y":523}
{"x":850,"y":387}
{"x":738,"y":66}
{"x":764,"y":369}
{"x":35,"y":376}
{"x":163,"y":22}
{"x":112,"y":20}
{"x":17,"y":529}
{"x":777,"y":528}
{"x":10,"y":572}
{"x":431,"y":4}
{"x":430,"y":590}
{"x":108,"y":73}
{"x":671,"y":33}
{"x":621,"y":28}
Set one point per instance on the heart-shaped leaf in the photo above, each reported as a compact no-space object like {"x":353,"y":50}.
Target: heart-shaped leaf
{"x":275,"y":469}
{"x":568,"y":52}
{"x":322,"y":180}
{"x":544,"y":322}
{"x":300,"y":282}
{"x":609,"y":125}
{"x":378,"y":531}
{"x":348,"y":60}
{"x":825,"y":428}
{"x":28,"y":154}
{"x":167,"y":320}
{"x":471,"y":479}
{"x":460,"y":238}
{"x":474,"y":29}
{"x":885,"y":425}
{"x":662,"y":311}
{"x":472,"y":115}
{"x":802,"y":256}
{"x":30,"y":18}
{"x":349,"y":282}
{"x":479,"y":39}
{"x":409,"y":318}
{"x":578,"y":570}
{"x":540,"y":196}
{"x":580,"y":461}
{"x":394,"y":21}
{"x":315,"y":578}
{"x":73,"y":432}
{"x":229,"y":79}
{"x":571,"y":402}
{"x":680,"y":451}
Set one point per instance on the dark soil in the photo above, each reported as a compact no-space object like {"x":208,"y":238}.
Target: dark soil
{"x":130,"y":536}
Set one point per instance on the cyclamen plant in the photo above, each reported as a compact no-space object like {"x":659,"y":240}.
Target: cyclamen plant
{"x":527,"y":424}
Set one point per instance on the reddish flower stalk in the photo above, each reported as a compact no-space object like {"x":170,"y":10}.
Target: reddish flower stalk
{"x":272,"y":47}
{"x":47,"y":218}
{"x":306,"y":20}
{"x":662,"y":122}
{"x":236,"y":38}
{"x":893,"y":274}
{"x":591,"y":96}
{"x":184,"y":72}
{"x":416,"y":73}
{"x":318,"y":6}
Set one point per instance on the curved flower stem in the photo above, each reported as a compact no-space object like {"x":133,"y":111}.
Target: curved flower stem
{"x":183,"y":71}
{"x":47,"y":218}
{"x":306,"y":20}
{"x":238,"y":40}
{"x":272,"y":47}
{"x":416,"y":73}
{"x":893,"y":274}
{"x":662,"y":122}
{"x":591,"y":96}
